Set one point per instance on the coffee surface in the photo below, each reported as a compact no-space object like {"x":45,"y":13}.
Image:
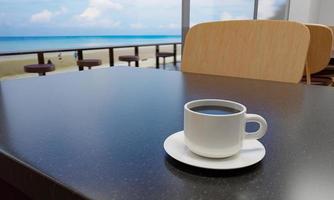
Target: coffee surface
{"x":215,"y":110}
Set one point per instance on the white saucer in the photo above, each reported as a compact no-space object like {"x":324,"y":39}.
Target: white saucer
{"x":251,"y":153}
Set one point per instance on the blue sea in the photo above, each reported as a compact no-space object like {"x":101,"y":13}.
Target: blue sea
{"x":16,"y":44}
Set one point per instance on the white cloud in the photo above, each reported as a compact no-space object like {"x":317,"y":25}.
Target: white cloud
{"x":41,"y":17}
{"x":90,"y":14}
{"x":102,"y":23}
{"x":229,"y":16}
{"x":137,"y":26}
{"x":154,"y":3}
{"x":4,"y":21}
{"x":105,"y":4}
{"x":96,"y":8}
{"x":61,"y":11}
{"x":171,"y":26}
{"x":97,"y":14}
{"x":220,"y":3}
{"x":45,"y":15}
{"x":267,"y":9}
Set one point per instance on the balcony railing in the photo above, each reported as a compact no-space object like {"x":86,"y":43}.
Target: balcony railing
{"x":41,"y":59}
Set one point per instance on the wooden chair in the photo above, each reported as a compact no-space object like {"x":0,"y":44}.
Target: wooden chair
{"x":332,"y":56}
{"x":265,"y":50}
{"x":319,"y":53}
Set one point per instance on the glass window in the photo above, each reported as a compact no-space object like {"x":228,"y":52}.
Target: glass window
{"x":127,"y":21}
{"x":31,"y":25}
{"x":154,"y":17}
{"x":273,"y":9}
{"x":216,"y":10}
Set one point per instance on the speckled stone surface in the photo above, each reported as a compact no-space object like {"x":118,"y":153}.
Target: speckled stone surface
{"x":99,"y":135}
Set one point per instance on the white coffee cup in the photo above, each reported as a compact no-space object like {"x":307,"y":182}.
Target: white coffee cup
{"x":219,"y":136}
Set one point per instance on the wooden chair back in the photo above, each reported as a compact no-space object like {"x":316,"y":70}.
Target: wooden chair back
{"x":332,"y":27}
{"x":264,"y":49}
{"x":320,"y":48}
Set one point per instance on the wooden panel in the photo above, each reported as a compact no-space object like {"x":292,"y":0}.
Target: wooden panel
{"x":266,"y":50}
{"x":320,"y":47}
{"x":332,"y":56}
{"x":332,"y":27}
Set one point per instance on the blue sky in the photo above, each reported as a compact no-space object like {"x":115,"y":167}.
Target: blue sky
{"x":116,"y":17}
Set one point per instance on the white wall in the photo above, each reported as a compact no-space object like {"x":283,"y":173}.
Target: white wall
{"x":306,"y":11}
{"x":312,"y":11}
{"x":326,"y":12}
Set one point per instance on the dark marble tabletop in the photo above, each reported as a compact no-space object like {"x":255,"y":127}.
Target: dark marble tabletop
{"x":99,"y":134}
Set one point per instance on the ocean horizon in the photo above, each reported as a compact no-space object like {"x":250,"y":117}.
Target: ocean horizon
{"x":35,"y":43}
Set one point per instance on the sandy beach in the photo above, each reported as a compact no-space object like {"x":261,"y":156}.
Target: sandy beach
{"x":11,"y":67}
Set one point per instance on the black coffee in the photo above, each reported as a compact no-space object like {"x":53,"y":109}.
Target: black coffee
{"x":215,"y":110}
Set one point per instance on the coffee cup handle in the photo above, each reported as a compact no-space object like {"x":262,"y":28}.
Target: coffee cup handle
{"x":262,"y":130}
